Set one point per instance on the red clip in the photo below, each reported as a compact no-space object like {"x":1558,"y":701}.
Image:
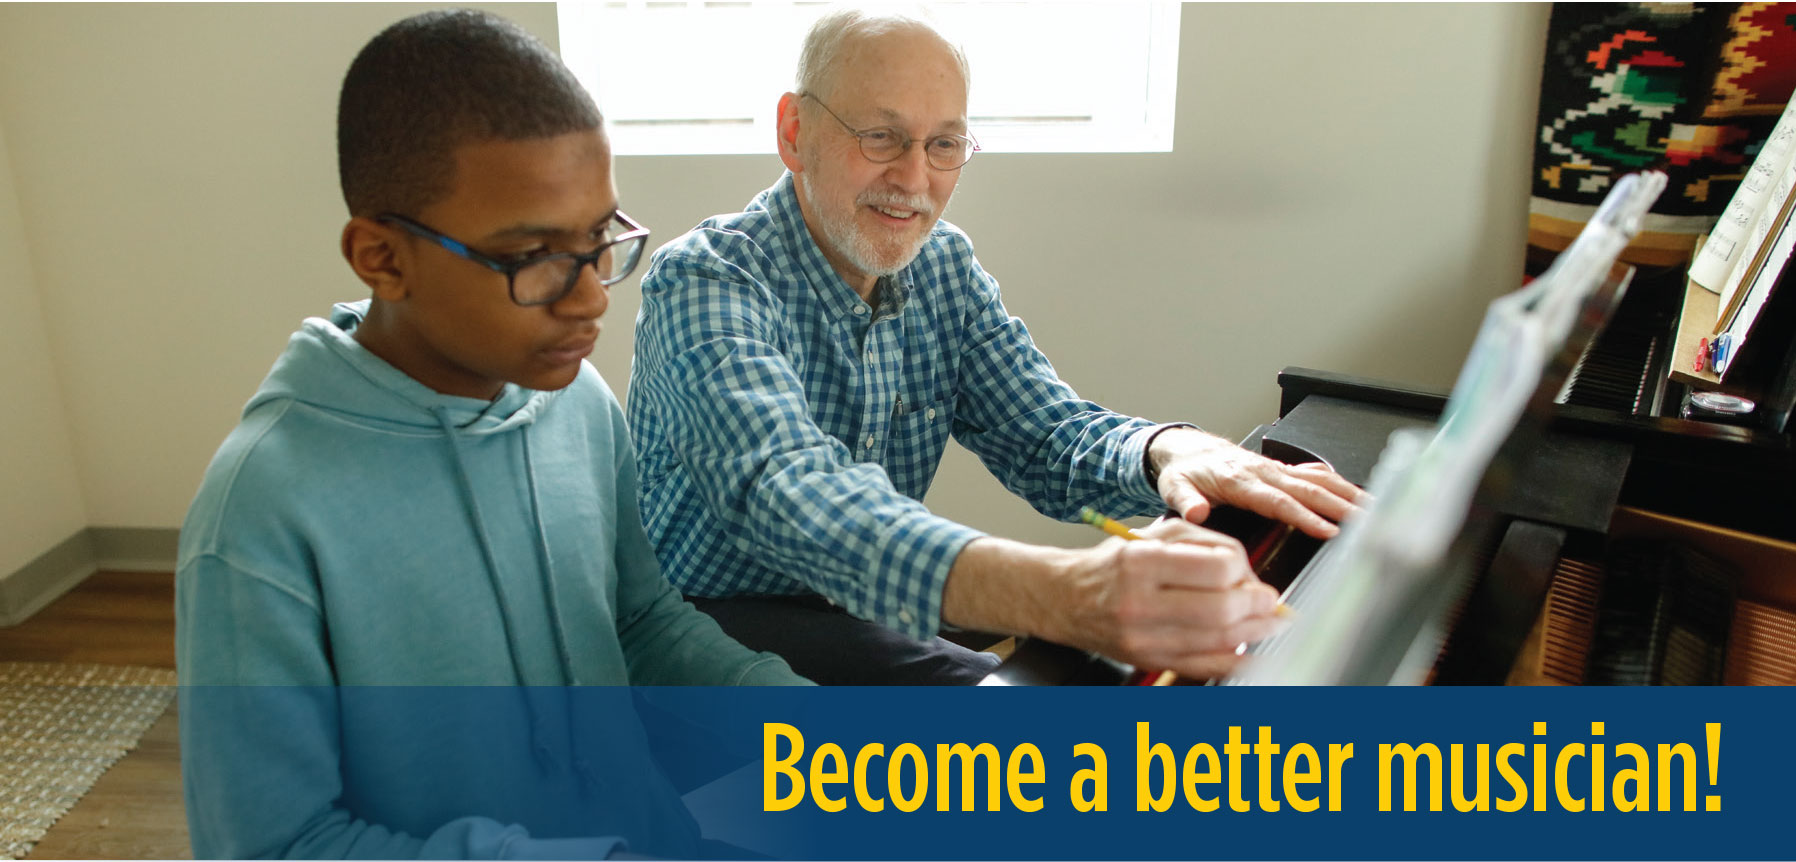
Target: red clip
{"x":1702,"y":353}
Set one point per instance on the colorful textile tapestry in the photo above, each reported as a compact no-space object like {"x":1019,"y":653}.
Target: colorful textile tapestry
{"x":1691,"y":89}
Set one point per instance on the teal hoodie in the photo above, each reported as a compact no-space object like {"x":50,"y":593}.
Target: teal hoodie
{"x":360,"y":529}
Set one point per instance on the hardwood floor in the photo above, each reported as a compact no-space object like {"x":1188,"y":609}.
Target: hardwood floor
{"x":111,"y":618}
{"x":134,"y":811}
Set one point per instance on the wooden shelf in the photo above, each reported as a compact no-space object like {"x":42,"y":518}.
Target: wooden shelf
{"x":1696,"y":323}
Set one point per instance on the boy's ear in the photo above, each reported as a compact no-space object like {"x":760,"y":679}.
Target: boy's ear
{"x":372,"y":250}
{"x":787,"y":132}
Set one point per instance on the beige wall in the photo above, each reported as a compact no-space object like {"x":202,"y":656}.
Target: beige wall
{"x":1348,"y":192}
{"x":40,"y":494}
{"x":177,"y":168}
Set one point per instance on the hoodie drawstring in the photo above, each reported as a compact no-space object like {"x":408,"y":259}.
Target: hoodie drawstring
{"x":581,"y":767}
{"x":542,"y":547}
{"x":538,"y":747}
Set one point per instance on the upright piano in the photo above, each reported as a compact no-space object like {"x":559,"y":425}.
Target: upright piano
{"x":1624,"y":545}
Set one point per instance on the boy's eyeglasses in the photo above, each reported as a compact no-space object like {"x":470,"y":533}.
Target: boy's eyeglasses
{"x":545,"y":279}
{"x":883,"y":144}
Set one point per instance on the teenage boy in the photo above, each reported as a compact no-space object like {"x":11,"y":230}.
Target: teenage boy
{"x":433,"y":489}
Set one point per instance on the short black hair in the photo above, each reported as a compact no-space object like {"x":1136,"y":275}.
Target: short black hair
{"x":434,"y":82}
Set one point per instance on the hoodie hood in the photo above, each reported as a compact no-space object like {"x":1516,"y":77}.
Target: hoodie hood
{"x":325,"y":367}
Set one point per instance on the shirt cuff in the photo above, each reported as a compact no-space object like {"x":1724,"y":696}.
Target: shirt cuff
{"x":914,"y":561}
{"x":1143,"y":482}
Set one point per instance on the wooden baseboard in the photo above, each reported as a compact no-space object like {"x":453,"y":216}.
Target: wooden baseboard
{"x":26,"y":591}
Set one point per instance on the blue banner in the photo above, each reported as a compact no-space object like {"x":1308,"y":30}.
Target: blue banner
{"x":1058,"y":773}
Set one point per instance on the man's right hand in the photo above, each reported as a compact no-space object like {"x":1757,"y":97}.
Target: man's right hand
{"x":1181,"y":599}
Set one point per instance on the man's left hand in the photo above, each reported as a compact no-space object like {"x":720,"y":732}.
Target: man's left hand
{"x":1199,"y":470}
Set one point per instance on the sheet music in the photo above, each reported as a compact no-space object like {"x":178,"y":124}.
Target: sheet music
{"x":1743,"y":226}
{"x":1760,"y":288}
{"x":1770,"y":219}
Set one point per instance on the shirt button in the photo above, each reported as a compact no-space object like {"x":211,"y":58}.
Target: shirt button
{"x":860,"y":309}
{"x":929,"y":414}
{"x":869,"y":441}
{"x":904,"y":616}
{"x":869,"y":356}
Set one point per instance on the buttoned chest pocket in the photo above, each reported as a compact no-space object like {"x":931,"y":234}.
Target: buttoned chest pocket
{"x":918,"y":436}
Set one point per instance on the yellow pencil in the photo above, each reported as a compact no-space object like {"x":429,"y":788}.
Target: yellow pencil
{"x":1108,"y":525}
{"x":1116,"y":528}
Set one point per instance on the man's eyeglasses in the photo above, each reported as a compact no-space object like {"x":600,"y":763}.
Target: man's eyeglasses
{"x":546,"y":278}
{"x":882,"y":144}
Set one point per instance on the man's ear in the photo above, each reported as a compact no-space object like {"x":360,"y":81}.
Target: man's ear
{"x":787,"y":129}
{"x":372,"y":250}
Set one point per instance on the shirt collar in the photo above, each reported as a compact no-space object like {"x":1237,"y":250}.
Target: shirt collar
{"x":837,"y":297}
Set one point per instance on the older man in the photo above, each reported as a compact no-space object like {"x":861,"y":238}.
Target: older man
{"x":801,"y":364}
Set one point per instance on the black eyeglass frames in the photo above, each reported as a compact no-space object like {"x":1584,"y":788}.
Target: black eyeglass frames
{"x":545,"y":279}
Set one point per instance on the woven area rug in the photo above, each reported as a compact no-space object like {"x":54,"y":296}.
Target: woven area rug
{"x":61,"y":727}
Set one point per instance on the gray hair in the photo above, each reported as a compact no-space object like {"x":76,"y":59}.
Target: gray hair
{"x":823,"y":44}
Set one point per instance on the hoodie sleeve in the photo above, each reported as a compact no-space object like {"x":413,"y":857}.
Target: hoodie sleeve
{"x":261,"y":757}
{"x":666,"y":640}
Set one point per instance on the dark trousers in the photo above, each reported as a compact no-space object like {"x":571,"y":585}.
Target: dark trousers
{"x":832,"y":647}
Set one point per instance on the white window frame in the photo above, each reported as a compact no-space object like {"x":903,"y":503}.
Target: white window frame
{"x":705,"y":77}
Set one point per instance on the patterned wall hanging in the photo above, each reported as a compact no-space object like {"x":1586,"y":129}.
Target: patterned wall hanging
{"x":1691,"y":89}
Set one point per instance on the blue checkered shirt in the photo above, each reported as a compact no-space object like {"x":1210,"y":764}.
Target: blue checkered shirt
{"x":786,"y":432}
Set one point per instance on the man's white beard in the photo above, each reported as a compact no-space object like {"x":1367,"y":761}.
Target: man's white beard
{"x":847,"y":240}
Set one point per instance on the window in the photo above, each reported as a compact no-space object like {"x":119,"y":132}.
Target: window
{"x":705,"y":77}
